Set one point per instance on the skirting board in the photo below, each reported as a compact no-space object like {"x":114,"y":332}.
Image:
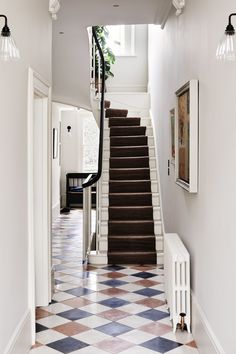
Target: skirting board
{"x":20,"y":341}
{"x":205,"y":338}
{"x":55,"y":211}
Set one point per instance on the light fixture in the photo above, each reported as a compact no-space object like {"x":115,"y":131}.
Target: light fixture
{"x":8,"y":49}
{"x":226,"y":50}
{"x":179,"y":5}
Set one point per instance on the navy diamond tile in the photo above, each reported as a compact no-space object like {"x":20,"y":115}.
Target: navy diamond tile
{"x":114,"y":302}
{"x":153,"y":315}
{"x":148,"y":292}
{"x":113,"y":282}
{"x":113,"y":268}
{"x":39,"y":328}
{"x":161,"y":345}
{"x":67,"y":345}
{"x":144,"y":275}
{"x":114,"y":329}
{"x":74,"y":314}
{"x":79,"y":291}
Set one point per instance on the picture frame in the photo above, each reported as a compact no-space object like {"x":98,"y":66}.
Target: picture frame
{"x":172,"y":136}
{"x":186,"y":136}
{"x":55,"y":143}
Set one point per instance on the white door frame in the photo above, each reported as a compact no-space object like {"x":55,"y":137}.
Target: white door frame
{"x":38,"y":86}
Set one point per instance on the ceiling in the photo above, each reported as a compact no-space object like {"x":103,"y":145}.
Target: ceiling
{"x":70,"y":39}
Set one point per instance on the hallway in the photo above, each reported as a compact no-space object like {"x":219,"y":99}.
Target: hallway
{"x":107,"y":309}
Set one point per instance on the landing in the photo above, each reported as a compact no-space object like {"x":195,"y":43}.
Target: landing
{"x":107,"y":309}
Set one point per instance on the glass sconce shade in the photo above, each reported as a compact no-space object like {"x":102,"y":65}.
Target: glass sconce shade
{"x":226,"y":50}
{"x":8,"y":49}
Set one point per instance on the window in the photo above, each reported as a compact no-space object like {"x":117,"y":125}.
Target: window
{"x":121,"y":39}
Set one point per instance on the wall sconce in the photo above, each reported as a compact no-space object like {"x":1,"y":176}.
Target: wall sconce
{"x":226,"y":50}
{"x":69,"y":130}
{"x":179,"y":5}
{"x":8,"y":49}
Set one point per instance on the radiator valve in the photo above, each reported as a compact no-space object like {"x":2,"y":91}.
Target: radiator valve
{"x":182,"y":325}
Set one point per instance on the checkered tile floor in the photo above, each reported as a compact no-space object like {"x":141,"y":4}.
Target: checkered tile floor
{"x":108,"y":309}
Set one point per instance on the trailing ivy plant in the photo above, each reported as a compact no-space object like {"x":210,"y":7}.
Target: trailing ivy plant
{"x":109,"y":57}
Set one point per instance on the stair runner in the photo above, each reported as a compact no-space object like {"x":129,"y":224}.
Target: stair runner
{"x":131,"y":238}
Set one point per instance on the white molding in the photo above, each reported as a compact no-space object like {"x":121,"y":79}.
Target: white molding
{"x":179,"y":5}
{"x":20,"y":341}
{"x":54,"y":7}
{"x":206,"y":339}
{"x":55,"y":211}
{"x":158,"y":171}
{"x":37,"y":85}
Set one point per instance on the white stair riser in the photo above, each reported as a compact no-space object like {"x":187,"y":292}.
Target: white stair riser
{"x":159,"y":244}
{"x":106,"y":154}
{"x":155,"y":200}
{"x":103,"y":244}
{"x":160,"y":258}
{"x":104,"y":201}
{"x":104,"y":228}
{"x":105,"y":188}
{"x":97,"y":258}
{"x":152,"y":152}
{"x":157,"y":228}
{"x":154,"y":187}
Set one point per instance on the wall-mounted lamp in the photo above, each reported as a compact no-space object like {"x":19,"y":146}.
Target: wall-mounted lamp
{"x":8,"y":49}
{"x":179,"y":5}
{"x":69,"y":130}
{"x":226,"y":50}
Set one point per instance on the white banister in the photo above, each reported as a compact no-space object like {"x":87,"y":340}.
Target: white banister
{"x":86,"y":221}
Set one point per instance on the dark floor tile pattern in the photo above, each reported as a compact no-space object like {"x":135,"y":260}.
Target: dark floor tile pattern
{"x":106,"y":309}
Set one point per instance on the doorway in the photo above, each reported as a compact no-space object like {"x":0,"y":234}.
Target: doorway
{"x":39,"y":194}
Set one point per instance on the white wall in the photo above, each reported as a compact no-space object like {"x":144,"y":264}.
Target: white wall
{"x":31,"y":27}
{"x":206,"y":221}
{"x":130,"y":72}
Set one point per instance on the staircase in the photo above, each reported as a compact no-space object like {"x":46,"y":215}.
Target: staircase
{"x":131,"y":228}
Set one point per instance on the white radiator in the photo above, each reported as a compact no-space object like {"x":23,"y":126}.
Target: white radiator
{"x":177,"y":279}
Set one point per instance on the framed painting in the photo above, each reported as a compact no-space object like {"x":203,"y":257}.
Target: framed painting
{"x":55,"y":143}
{"x":186,"y":137}
{"x":172,"y":135}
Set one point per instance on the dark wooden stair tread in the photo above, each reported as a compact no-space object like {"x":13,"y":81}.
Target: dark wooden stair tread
{"x":132,"y":186}
{"x":139,"y":140}
{"x":129,"y":162}
{"x":121,"y":121}
{"x":115,"y":112}
{"x":130,"y":212}
{"x":130,"y":199}
{"x":129,"y":151}
{"x":127,"y":131}
{"x":133,"y":257}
